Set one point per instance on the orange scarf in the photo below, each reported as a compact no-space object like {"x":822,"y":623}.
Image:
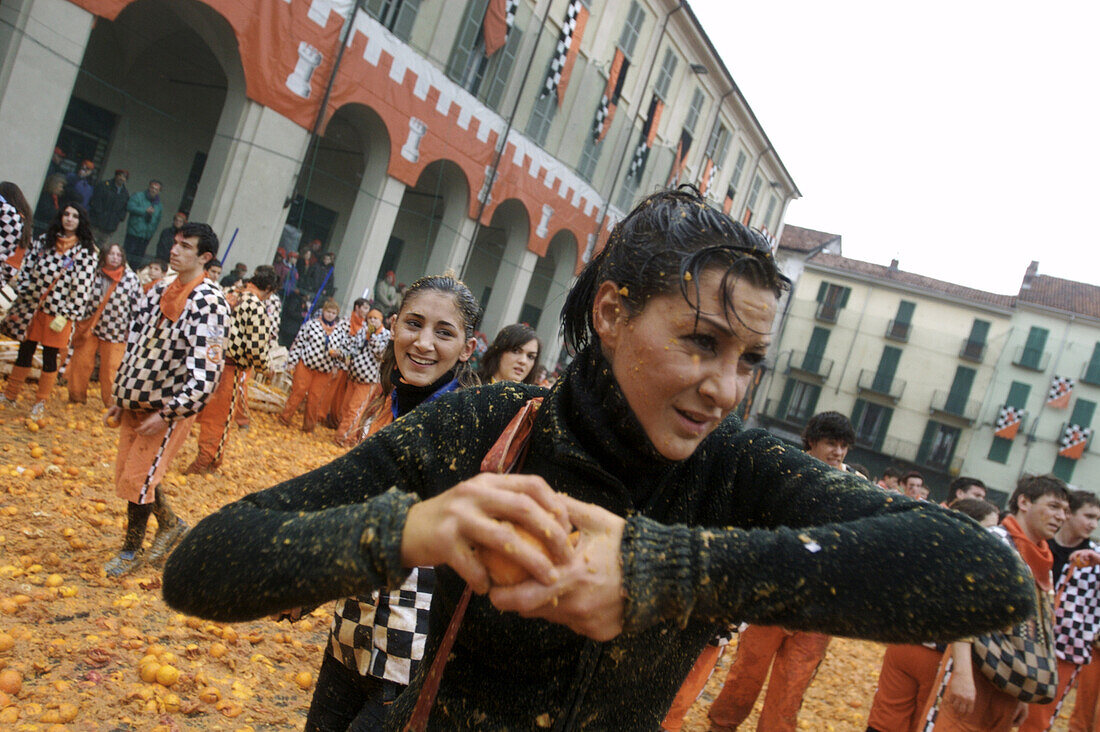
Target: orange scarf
{"x":15,"y":259}
{"x":114,"y":274}
{"x":356,"y":323}
{"x":175,"y":297}
{"x":1037,"y":555}
{"x":65,"y":243}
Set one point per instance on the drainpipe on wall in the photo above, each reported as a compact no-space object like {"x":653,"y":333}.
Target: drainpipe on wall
{"x":630,"y":130}
{"x":1043,"y":404}
{"x":502,"y":143}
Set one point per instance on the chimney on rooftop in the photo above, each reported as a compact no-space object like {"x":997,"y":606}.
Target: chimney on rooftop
{"x":1030,"y":275}
{"x":893,"y":265}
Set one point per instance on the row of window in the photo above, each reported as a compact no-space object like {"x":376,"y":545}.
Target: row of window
{"x":487,"y":79}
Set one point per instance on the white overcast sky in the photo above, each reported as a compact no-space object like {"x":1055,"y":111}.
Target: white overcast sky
{"x":962,"y":138}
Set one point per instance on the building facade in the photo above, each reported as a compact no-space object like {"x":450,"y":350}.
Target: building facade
{"x":499,"y":138}
{"x":937,"y":377}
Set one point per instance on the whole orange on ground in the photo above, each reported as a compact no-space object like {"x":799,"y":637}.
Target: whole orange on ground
{"x":77,"y":651}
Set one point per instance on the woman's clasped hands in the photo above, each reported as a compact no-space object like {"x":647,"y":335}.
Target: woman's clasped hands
{"x":578,"y":585}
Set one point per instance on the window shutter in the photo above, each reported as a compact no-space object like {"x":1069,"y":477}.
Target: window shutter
{"x":960,"y":390}
{"x":926,"y":441}
{"x":844,"y":293}
{"x":815,"y":350}
{"x":466,"y":40}
{"x":1092,"y":373}
{"x":979,"y":331}
{"x":887,"y":367}
{"x":1018,"y":394}
{"x":883,"y":428}
{"x":406,"y":16}
{"x":905,"y":312}
{"x":501,"y":68}
{"x":821,"y":290}
{"x":1083,"y":410}
{"x":785,"y":399}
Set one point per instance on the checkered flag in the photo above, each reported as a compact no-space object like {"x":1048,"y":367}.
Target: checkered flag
{"x":1073,"y":442}
{"x":649,"y":134}
{"x":565,"y":53}
{"x":610,"y":99}
{"x":1008,"y":422}
{"x":1060,"y":389}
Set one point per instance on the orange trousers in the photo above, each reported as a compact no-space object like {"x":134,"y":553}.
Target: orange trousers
{"x":692,"y":687}
{"x":797,"y":656}
{"x":993,"y":709}
{"x":143,"y":460}
{"x":214,"y":419}
{"x":907,"y":679}
{"x":1041,"y":716}
{"x":1085,"y":718}
{"x":18,"y":377}
{"x":309,"y":386}
{"x":356,"y":399}
{"x":241,"y":414}
{"x":79,"y":370}
{"x":334,"y":400}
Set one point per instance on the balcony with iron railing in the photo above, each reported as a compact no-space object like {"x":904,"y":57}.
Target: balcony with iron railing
{"x":813,"y":366}
{"x":897,"y":330}
{"x":793,"y":419}
{"x":872,"y":382}
{"x":972,"y":350}
{"x":945,"y":405}
{"x":1032,"y":359}
{"x":827,"y":312}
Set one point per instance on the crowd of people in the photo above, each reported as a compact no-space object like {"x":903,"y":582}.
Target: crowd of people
{"x":505,"y":555}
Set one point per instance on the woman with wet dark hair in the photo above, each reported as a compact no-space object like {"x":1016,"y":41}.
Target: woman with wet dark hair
{"x":512,"y":356}
{"x":683,"y":521}
{"x":55,"y":284}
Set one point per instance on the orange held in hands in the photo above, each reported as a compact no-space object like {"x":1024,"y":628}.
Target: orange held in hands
{"x":505,"y":571}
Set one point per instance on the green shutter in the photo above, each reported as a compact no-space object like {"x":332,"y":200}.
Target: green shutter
{"x":887,"y":367}
{"x":905,"y":312}
{"x":1092,"y":373}
{"x":815,"y":350}
{"x":979,"y":331}
{"x":844,"y":293}
{"x":467,"y":38}
{"x":1033,"y":349}
{"x":926,"y":441}
{"x":815,"y":390}
{"x":998,"y":451}
{"x":1082,"y":412}
{"x":857,"y":413}
{"x":960,"y":390}
{"x":785,"y":399}
{"x":500,"y":68}
{"x":406,"y":16}
{"x":822,"y":289}
{"x":1063,"y":468}
{"x":1018,"y":394}
{"x":883,"y":429}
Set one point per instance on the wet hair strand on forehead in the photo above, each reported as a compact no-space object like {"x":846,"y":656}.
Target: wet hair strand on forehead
{"x":663,"y":246}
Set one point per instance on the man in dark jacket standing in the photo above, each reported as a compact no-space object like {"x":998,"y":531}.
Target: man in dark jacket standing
{"x":108,"y":206}
{"x":168,"y":236}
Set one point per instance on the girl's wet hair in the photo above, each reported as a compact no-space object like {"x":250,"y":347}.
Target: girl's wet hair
{"x":468,"y":309}
{"x":508,"y":339}
{"x":664,"y":246}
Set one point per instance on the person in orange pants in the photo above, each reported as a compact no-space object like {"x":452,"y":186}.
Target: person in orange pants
{"x":313,"y":357}
{"x":694,"y":684}
{"x":797,"y":656}
{"x":907,"y":678}
{"x":54,"y":286}
{"x":117,"y":291}
{"x":1085,"y":718}
{"x":246,"y":347}
{"x":368,"y":341}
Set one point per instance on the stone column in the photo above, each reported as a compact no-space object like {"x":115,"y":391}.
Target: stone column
{"x":509,"y":289}
{"x":375,"y":226}
{"x":42,"y":44}
{"x":248,"y":178}
{"x":452,"y":242}
{"x":550,"y":320}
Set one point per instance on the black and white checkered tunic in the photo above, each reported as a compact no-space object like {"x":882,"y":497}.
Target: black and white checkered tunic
{"x":114,"y":324}
{"x":1077,"y":614}
{"x":274,"y":306}
{"x":174,"y":367}
{"x":11,"y":229}
{"x":42,"y":265}
{"x":249,"y":333}
{"x":365,"y":352}
{"x":384,"y":635}
{"x":311,"y":347}
{"x":341,"y":337}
